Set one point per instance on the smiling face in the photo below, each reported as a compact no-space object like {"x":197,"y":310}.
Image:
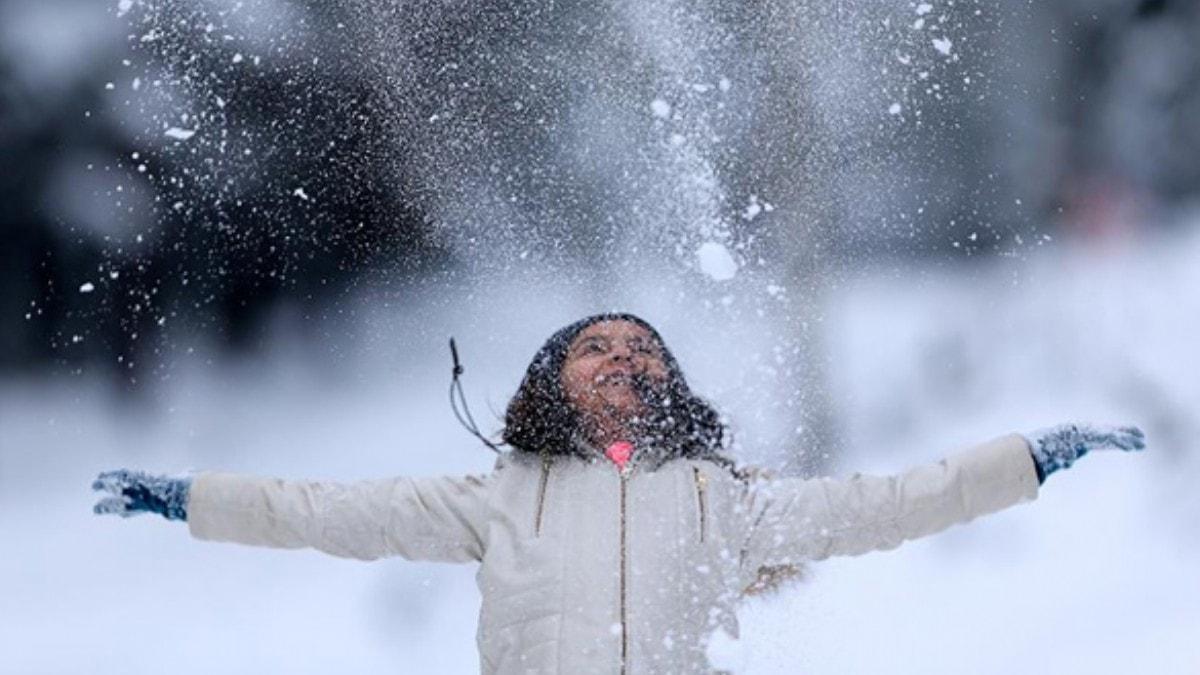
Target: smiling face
{"x":601,"y":366}
{"x":607,"y":378}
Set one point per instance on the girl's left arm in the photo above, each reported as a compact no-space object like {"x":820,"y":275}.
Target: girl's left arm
{"x":439,"y":518}
{"x":793,"y":520}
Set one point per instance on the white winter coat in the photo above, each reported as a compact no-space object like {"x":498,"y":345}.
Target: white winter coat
{"x":585,"y":570}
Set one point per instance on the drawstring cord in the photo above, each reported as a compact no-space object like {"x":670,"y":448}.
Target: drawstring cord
{"x":457,"y":397}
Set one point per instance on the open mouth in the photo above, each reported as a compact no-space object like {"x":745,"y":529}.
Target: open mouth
{"x":614,"y":378}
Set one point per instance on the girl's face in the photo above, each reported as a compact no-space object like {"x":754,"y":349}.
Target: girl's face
{"x":601,"y":364}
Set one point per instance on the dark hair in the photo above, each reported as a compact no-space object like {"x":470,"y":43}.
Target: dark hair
{"x":539,"y":418}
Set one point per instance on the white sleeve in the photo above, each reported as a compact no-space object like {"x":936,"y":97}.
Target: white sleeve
{"x":793,"y":520}
{"x":440,"y":519}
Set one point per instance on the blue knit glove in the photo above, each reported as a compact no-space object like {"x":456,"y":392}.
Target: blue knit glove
{"x":137,"y":492}
{"x":1059,"y":446}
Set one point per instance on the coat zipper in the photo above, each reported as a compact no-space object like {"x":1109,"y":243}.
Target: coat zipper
{"x":624,"y":623}
{"x":701,"y":485}
{"x":541,"y":501}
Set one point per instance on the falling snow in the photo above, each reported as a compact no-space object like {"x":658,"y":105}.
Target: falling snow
{"x":716,"y":261}
{"x":726,"y":172}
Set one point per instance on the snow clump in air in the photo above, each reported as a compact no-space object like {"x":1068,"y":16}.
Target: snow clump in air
{"x":716,"y":261}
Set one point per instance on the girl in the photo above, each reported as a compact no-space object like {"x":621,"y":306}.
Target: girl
{"x":616,"y":536}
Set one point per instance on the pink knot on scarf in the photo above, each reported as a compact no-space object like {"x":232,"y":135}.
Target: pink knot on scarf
{"x":619,"y":453}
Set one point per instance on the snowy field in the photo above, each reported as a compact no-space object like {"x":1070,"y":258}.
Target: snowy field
{"x":1099,"y":575}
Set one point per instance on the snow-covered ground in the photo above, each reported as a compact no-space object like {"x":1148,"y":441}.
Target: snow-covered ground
{"x":1097,"y":576}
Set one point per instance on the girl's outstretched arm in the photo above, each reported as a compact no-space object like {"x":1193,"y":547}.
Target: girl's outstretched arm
{"x":440,"y":518}
{"x":793,"y":520}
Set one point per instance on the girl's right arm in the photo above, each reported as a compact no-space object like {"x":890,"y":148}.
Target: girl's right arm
{"x":794,"y":520}
{"x":439,"y":519}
